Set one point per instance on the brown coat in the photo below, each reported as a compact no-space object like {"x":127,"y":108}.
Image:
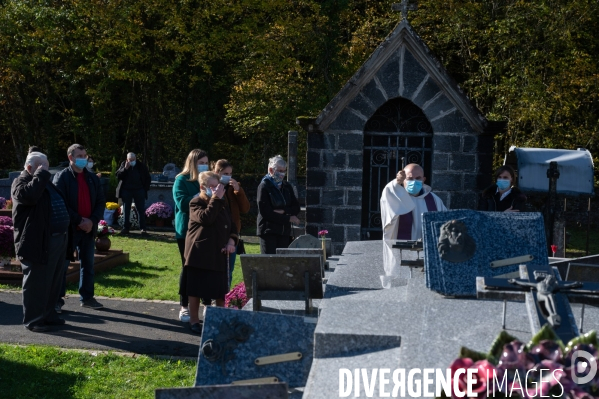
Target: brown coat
{"x":209,"y":230}
{"x":238,"y":203}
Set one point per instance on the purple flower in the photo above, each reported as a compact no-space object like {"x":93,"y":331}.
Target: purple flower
{"x":5,"y":221}
{"x":161,"y":210}
{"x":547,"y":350}
{"x":2,"y":202}
{"x":7,"y":243}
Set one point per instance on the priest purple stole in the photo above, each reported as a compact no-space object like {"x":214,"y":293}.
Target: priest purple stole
{"x":404,"y":231}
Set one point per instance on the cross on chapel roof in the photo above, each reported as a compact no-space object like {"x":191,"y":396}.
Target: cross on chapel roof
{"x":404,"y":7}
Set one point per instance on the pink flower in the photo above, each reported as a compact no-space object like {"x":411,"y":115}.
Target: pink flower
{"x":237,"y":297}
{"x":484,"y":373}
{"x":323,"y":233}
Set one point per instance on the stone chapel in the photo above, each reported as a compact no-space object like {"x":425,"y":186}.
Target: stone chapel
{"x":400,"y":106}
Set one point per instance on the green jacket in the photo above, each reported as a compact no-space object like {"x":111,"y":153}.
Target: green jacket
{"x":183,"y":192}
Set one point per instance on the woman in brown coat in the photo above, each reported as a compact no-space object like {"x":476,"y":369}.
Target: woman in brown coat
{"x":211,"y":236}
{"x":236,"y":199}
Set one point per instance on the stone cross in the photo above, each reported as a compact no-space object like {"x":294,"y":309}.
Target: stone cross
{"x":404,"y":7}
{"x":547,"y":298}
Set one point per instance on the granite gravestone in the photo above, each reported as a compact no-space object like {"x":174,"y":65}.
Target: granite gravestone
{"x":309,"y":241}
{"x":304,"y":251}
{"x":496,"y":236}
{"x":238,"y":346}
{"x":262,"y":391}
{"x":285,"y":277}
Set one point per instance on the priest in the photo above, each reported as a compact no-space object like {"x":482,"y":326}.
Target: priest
{"x":403,"y":202}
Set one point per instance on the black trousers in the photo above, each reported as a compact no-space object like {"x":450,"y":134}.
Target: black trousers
{"x":41,"y":283}
{"x":183,"y":299}
{"x":270,"y":242}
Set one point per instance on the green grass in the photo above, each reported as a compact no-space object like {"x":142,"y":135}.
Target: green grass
{"x":152,"y":273}
{"x":153,"y":270}
{"x":578,"y":241}
{"x":44,"y":372}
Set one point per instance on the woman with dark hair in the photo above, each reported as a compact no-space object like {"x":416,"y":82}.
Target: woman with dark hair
{"x":503,"y":195}
{"x":186,"y":188}
{"x":236,"y":200}
{"x":211,"y":238}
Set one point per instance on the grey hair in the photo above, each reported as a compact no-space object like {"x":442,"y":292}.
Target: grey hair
{"x":275,"y":161}
{"x":35,"y":158}
{"x":131,"y":155}
{"x":73,"y":147}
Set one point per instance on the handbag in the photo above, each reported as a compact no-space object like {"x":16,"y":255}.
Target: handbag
{"x":240,"y":247}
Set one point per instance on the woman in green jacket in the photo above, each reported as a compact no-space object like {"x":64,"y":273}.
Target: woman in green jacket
{"x":186,"y":188}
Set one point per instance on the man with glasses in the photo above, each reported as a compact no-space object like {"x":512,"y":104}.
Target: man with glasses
{"x":85,"y":203}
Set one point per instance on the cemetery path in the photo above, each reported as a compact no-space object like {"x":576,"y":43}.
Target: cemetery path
{"x":150,"y":328}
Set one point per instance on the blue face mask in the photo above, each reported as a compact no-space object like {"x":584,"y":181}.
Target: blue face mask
{"x":225,"y":179}
{"x":132,"y":163}
{"x":413,"y":187}
{"x":202,"y":168}
{"x":503,"y":184}
{"x":208,"y":192}
{"x":80,"y":162}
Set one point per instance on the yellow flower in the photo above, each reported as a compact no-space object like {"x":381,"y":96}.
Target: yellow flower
{"x":111,"y":206}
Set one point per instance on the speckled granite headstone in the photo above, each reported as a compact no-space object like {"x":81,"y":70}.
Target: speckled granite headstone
{"x":262,"y":391}
{"x":272,"y":334}
{"x":498,"y":235}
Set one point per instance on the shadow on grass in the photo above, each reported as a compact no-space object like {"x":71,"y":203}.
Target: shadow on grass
{"x":25,"y":381}
{"x":155,"y":238}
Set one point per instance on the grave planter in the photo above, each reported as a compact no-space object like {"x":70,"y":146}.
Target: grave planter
{"x":5,"y":263}
{"x":159,"y":222}
{"x":103,"y":244}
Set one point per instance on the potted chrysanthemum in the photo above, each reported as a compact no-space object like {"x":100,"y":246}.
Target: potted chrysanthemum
{"x":158,"y":213}
{"x":7,"y":243}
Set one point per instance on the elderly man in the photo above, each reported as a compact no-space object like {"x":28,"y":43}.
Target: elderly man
{"x":403,"y":202}
{"x":41,"y":223}
{"x":135,"y":185}
{"x":85,"y":203}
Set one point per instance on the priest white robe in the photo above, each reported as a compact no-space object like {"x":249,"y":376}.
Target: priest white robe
{"x":395,"y":201}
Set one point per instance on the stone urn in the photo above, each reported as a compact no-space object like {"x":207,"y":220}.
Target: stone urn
{"x":103,"y":244}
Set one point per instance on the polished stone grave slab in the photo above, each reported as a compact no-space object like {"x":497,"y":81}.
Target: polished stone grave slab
{"x":243,"y":337}
{"x":363,"y":325}
{"x":497,"y":236}
{"x":283,"y":277}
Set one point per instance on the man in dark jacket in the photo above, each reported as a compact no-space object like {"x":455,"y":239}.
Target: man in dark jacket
{"x":41,"y":223}
{"x":85,"y":203}
{"x":135,"y":186}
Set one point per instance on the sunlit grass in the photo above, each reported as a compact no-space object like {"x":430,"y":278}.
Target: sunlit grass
{"x":35,"y":371}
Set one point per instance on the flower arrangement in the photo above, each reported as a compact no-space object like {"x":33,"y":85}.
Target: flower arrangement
{"x":133,"y":216}
{"x":237,"y":297}
{"x":545,"y":367}
{"x":323,"y":234}
{"x":8,"y":204}
{"x":7,"y":243}
{"x":2,"y":202}
{"x":5,"y":221}
{"x":160,"y":210}
{"x":104,"y":229}
{"x":112,"y":206}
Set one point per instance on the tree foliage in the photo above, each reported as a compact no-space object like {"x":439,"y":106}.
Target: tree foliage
{"x":162,"y":77}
